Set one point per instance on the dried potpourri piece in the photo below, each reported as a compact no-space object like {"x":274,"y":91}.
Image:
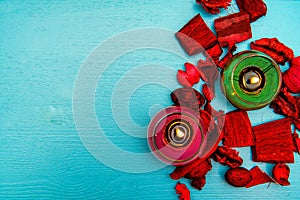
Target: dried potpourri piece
{"x":285,"y":104}
{"x":227,"y":156}
{"x":188,"y":97}
{"x":198,"y":174}
{"x":215,"y":52}
{"x":208,"y":70}
{"x":183,"y":191}
{"x":212,"y":111}
{"x":296,"y":141}
{"x":273,"y":142}
{"x":213,"y":6}
{"x":208,"y":123}
{"x":233,"y":28}
{"x":227,"y":57}
{"x":190,"y":76}
{"x":288,"y":105}
{"x":181,"y":171}
{"x":258,"y":177}
{"x":281,"y":173}
{"x":208,"y":92}
{"x":291,"y":77}
{"x":200,"y":170}
{"x":275,"y":49}
{"x":238,"y":130}
{"x":198,"y":183}
{"x":255,"y":8}
{"x":196,"y":37}
{"x":238,"y":177}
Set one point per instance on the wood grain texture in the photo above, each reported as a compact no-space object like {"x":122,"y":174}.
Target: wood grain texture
{"x":43,"y":44}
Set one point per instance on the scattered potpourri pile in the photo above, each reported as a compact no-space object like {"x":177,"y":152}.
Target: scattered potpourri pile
{"x":272,"y":142}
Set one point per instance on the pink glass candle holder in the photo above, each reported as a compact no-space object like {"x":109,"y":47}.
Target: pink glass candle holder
{"x":176,"y":135}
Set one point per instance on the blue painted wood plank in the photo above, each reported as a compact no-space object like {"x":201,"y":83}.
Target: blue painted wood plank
{"x":43,"y":44}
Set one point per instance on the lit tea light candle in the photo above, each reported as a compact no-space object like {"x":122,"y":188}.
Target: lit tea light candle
{"x":252,"y":80}
{"x":179,"y":133}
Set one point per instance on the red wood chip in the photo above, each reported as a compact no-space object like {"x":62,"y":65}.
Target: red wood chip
{"x":258,"y":177}
{"x":238,"y":130}
{"x":195,"y":36}
{"x":227,"y":156}
{"x":233,"y":28}
{"x":183,"y":191}
{"x":208,"y":70}
{"x":208,"y":92}
{"x":273,"y":142}
{"x":188,"y":97}
{"x":227,"y":57}
{"x":215,"y":52}
{"x":291,"y":77}
{"x":255,"y":8}
{"x":275,"y":49}
{"x":198,"y":183}
{"x":281,"y":173}
{"x":213,"y":6}
{"x":190,"y":76}
{"x":200,"y":170}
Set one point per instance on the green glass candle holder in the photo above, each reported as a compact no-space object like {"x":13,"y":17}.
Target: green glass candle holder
{"x":251,"y":80}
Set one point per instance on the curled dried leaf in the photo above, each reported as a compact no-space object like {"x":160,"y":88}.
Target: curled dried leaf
{"x":182,"y":191}
{"x":188,"y":97}
{"x":213,"y":6}
{"x":227,"y":156}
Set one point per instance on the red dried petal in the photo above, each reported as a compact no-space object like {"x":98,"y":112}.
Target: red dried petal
{"x":258,"y":177}
{"x":291,"y":77}
{"x":233,"y":28}
{"x":227,"y":57}
{"x":255,"y":8}
{"x":273,"y":142}
{"x":238,"y":130}
{"x":190,"y":76}
{"x":275,"y":49}
{"x":188,"y":97}
{"x":227,"y":156}
{"x":238,"y":177}
{"x":200,"y":170}
{"x":183,"y":79}
{"x":281,"y":173}
{"x":198,"y":183}
{"x":208,"y":71}
{"x":195,"y":36}
{"x":181,"y":171}
{"x":183,"y":191}
{"x":208,"y":92}
{"x":213,"y":6}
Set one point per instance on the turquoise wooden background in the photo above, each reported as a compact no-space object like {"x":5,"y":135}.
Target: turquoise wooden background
{"x":42,"y":46}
